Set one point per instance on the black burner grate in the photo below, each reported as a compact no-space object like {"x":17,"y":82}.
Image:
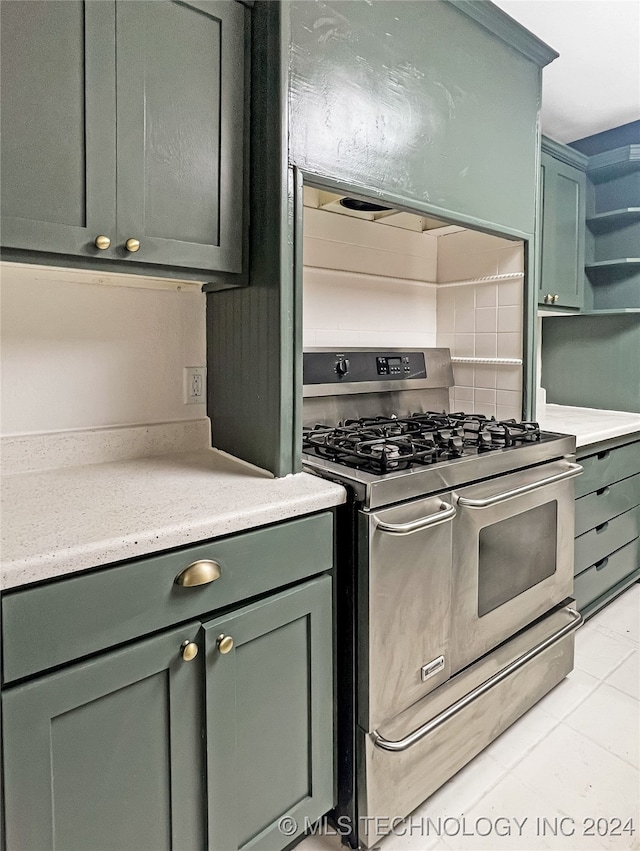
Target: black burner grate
{"x":388,"y":444}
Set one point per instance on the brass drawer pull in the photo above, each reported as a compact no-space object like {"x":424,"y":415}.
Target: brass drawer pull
{"x":102,"y":242}
{"x":225,"y":644}
{"x":132,"y":245}
{"x":199,"y":573}
{"x":189,"y":650}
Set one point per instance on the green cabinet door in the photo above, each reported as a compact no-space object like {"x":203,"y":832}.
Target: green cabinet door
{"x":563,"y":194}
{"x":58,"y":125}
{"x":124,"y":120}
{"x":269,"y":718}
{"x":105,"y":754}
{"x":180,"y":73}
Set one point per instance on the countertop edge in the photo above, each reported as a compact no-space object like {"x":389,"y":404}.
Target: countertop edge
{"x":588,"y":425}
{"x":241,"y":499}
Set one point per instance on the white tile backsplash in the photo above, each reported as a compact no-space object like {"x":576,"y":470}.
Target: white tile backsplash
{"x":486,"y":345}
{"x":370,"y":285}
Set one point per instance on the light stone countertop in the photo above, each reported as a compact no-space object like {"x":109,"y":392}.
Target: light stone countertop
{"x":59,"y":521}
{"x":589,"y":425}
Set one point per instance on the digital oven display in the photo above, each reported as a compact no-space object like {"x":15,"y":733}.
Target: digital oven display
{"x":392,"y":365}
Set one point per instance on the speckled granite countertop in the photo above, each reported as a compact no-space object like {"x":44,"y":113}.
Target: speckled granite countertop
{"x":58,"y":521}
{"x":589,"y":425}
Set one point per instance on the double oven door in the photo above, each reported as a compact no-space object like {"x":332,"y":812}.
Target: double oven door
{"x":444,"y":579}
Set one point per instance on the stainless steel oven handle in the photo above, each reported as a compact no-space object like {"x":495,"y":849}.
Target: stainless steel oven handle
{"x":571,"y":471}
{"x":402,"y":744}
{"x":447,"y":512}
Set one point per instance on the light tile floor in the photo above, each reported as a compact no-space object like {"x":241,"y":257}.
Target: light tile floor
{"x":572,"y":760}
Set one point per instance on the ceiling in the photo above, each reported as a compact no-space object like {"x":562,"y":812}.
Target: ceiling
{"x":594,"y":84}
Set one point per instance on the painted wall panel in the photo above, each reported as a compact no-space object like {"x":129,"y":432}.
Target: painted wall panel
{"x":415,"y":101}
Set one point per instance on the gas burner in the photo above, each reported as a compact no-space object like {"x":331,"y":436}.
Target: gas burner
{"x":386,"y":444}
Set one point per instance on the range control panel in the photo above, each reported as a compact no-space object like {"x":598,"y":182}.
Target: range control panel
{"x":344,"y":366}
{"x":393,"y":365}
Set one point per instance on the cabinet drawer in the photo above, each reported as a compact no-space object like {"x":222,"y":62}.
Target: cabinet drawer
{"x":605,"y":539}
{"x":607,"y":467}
{"x":71,"y":618}
{"x":608,"y":502}
{"x":598,"y":578}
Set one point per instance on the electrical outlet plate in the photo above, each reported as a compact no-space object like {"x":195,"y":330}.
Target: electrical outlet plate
{"x":195,"y":385}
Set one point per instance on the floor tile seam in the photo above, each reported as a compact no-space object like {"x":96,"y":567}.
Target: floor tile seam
{"x":458,"y":813}
{"x":539,"y":741}
{"x":586,"y":696}
{"x":601,"y":747}
{"x":610,"y":671}
{"x":541,"y":790}
{"x":634,"y":765}
{"x":503,"y":773}
{"x":535,"y":790}
{"x":617,"y":688}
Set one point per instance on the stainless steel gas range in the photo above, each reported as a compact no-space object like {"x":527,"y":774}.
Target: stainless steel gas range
{"x":455,"y":573}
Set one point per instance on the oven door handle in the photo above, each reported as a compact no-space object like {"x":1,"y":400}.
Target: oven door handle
{"x":402,"y":744}
{"x":447,"y":512}
{"x":569,"y":473}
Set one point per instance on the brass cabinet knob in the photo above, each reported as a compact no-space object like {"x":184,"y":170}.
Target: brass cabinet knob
{"x":189,"y":650}
{"x":102,"y":242}
{"x":556,"y":298}
{"x":225,"y":643}
{"x":199,"y":573}
{"x":132,"y":244}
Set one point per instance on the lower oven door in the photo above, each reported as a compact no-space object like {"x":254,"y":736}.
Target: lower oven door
{"x":512,"y":555}
{"x":404,"y":599}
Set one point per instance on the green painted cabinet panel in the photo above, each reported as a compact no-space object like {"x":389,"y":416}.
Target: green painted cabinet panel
{"x":607,"y":522}
{"x":269,"y":716}
{"x":607,"y":466}
{"x":416,"y":103}
{"x":592,"y":361}
{"x":563,"y":200}
{"x":605,"y":575}
{"x":57,"y":64}
{"x":607,"y":502}
{"x":594,"y":545}
{"x":180,"y":75}
{"x":125,"y":120}
{"x":105,"y":755}
{"x":87,"y":613}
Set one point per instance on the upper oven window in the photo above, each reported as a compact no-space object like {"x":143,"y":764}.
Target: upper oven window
{"x":515,"y":554}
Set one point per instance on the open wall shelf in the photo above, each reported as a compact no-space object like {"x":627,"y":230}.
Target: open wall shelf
{"x":613,"y":219}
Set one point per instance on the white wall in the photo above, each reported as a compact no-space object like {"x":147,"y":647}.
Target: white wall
{"x":366,"y":284}
{"x":80,"y":355}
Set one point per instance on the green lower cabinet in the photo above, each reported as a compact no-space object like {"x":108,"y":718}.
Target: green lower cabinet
{"x":607,"y":555}
{"x":142,"y":749}
{"x":269,"y":719}
{"x":106,"y":755}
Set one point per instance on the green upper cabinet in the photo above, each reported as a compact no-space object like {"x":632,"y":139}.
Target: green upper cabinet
{"x":433,"y":106}
{"x":124,"y":121}
{"x":562,"y":225}
{"x":58,"y":125}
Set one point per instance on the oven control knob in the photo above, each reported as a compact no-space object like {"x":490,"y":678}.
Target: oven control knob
{"x":342,"y":366}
